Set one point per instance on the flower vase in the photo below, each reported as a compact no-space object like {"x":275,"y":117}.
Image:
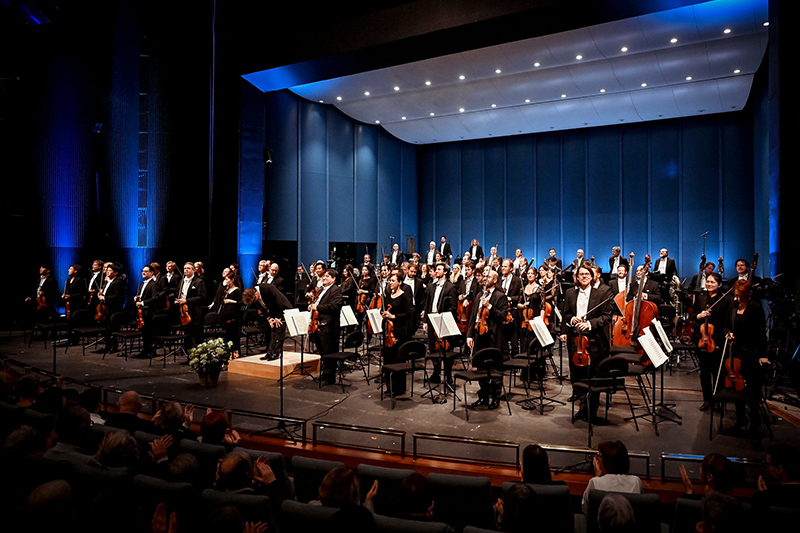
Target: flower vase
{"x":209,"y":378}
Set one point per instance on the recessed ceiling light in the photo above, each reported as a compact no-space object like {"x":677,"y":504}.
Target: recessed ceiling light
{"x":537,"y":64}
{"x":427,"y":83}
{"x":766,"y":23}
{"x":624,"y":49}
{"x":578,"y":57}
{"x":321,"y":102}
{"x":339,"y":98}
{"x":726,"y":31}
{"x":460,"y":109}
{"x":644,"y":85}
{"x":402,"y":118}
{"x":397,"y":88}
{"x":737,"y":71}
{"x":527,"y":100}
{"x":688,"y":78}
{"x":498,"y":71}
{"x":494,"y":105}
{"x":602,"y":90}
{"x":563,"y":96}
{"x":377,"y":122}
{"x":673,"y":40}
{"x":432,"y":114}
{"x":366,"y":93}
{"x":462,"y":77}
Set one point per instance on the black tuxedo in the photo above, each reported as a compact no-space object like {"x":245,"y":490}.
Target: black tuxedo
{"x":114,"y":294}
{"x":622,"y":261}
{"x":651,"y":289}
{"x":444,"y":249}
{"x":195,"y":295}
{"x":672,"y":270}
{"x":169,"y":287}
{"x":613,"y":285}
{"x":276,"y":303}
{"x":76,"y":290}
{"x":150,"y":296}
{"x":47,"y":288}
{"x":546,"y":263}
{"x":494,"y":337}
{"x":598,"y":318}
{"x":326,"y":337}
{"x":278,"y":282}
{"x":430,"y":256}
{"x":94,"y":283}
{"x":396,"y":257}
{"x":513,"y":293}
{"x":474,"y":289}
{"x":475,"y":253}
{"x":447,"y":302}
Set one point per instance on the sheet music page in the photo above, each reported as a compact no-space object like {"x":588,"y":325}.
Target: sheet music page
{"x":449,"y":326}
{"x":375,"y":319}
{"x":436,"y":321}
{"x":541,"y":331}
{"x":652,"y":349}
{"x":558,"y":313}
{"x":663,"y":336}
{"x":297,"y":321}
{"x":347,"y":317}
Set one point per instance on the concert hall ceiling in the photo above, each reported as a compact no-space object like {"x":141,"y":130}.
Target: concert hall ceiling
{"x":695,"y":59}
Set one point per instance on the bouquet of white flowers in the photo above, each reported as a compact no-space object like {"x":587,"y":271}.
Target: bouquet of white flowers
{"x":210,"y":356}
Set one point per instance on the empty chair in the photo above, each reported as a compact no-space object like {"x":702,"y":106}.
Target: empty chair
{"x":407,"y":356}
{"x":387,"y":524}
{"x":299,"y":516}
{"x":352,"y":341}
{"x":462,"y":500}
{"x":389,"y":480}
{"x":489,"y":362}
{"x":150,"y":491}
{"x":308,"y":474}
{"x":688,"y":513}
{"x":84,"y":327}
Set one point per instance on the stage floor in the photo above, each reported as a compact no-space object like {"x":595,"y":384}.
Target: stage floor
{"x":361,"y":404}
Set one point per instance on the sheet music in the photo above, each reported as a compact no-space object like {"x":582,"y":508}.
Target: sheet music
{"x":558,"y":313}
{"x":444,"y":324}
{"x":652,"y":349}
{"x":663,"y":336}
{"x":347,"y":317}
{"x":541,"y":331}
{"x":297,"y":321}
{"x":375,"y":320}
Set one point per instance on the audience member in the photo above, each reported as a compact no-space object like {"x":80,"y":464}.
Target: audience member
{"x":130,"y":405}
{"x":50,"y":507}
{"x":236,"y":472}
{"x":517,"y":512}
{"x":26,"y":390}
{"x":536,"y":466}
{"x":71,"y":429}
{"x":611,"y":467}
{"x":339,"y":488}
{"x":615,"y":515}
{"x":91,"y":400}
{"x":721,"y":514}
{"x":174,"y":420}
{"x":184,"y":469}
{"x":716,"y":475}
{"x":214,"y":429}
{"x":415,"y":500}
{"x":783,"y":487}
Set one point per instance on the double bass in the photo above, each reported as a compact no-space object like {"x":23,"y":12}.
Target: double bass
{"x":621,"y":325}
{"x":639,"y":313}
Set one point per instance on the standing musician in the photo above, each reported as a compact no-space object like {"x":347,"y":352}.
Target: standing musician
{"x":327,"y":306}
{"x":616,"y":260}
{"x":192,"y":293}
{"x":553,"y":261}
{"x":512,"y":287}
{"x":469,"y":291}
{"x":365,"y":290}
{"x":619,"y":283}
{"x":146,"y":301}
{"x":417,"y":295}
{"x":112,"y":297}
{"x":396,"y":257}
{"x":95,"y":283}
{"x":698,"y":283}
{"x":444,"y":249}
{"x":169,"y":284}
{"x":665,"y":265}
{"x":74,"y":289}
{"x":712,"y":319}
{"x":348,"y":286}
{"x":227,"y":304}
{"x":493,"y":257}
{"x":46,"y":291}
{"x":745,"y":326}
{"x":441,"y":296}
{"x":529,"y":306}
{"x":650,"y":292}
{"x":585,"y":316}
{"x":578,"y":261}
{"x":315,"y":283}
{"x":263,"y":272}
{"x":399,"y":311}
{"x":475,"y":251}
{"x":743,"y":273}
{"x":495,"y":304}
{"x":274,"y":279}
{"x":549,"y":282}
{"x":237,"y":277}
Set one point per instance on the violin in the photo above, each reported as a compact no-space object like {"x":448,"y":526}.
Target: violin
{"x":464,"y":308}
{"x":101,"y":312}
{"x":527,"y":314}
{"x":376,"y":303}
{"x":733,"y":378}
{"x":388,"y":330}
{"x":483,"y":316}
{"x":440,"y":344}
{"x":66,"y":309}
{"x":139,"y":318}
{"x":362,"y":300}
{"x":41,"y":302}
{"x":707,"y":338}
{"x":581,"y":355}
{"x":186,"y":319}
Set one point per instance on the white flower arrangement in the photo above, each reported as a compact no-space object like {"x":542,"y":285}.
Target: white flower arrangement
{"x":210,"y":355}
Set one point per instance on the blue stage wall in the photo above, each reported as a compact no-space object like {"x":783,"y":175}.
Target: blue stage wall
{"x":643,"y":187}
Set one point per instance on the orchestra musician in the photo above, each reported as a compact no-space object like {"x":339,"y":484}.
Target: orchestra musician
{"x":493,"y":257}
{"x":146,"y":300}
{"x":475,"y":251}
{"x":263,"y":271}
{"x":274,"y":277}
{"x":396,"y":257}
{"x":586,"y":314}
{"x":192,"y":293}
{"x":441,"y":296}
{"x":578,"y":261}
{"x":616,"y":260}
{"x":493,"y":300}
{"x":665,"y":265}
{"x":743,"y":273}
{"x":112,"y":296}
{"x":430,"y":254}
{"x":398,"y":309}
{"x":75,"y":289}
{"x":274,"y":303}
{"x":650,"y":292}
{"x":530,"y":299}
{"x":169,"y":284}
{"x":512,"y":287}
{"x":714,"y":317}
{"x":95,"y":283}
{"x":619,"y":283}
{"x":348,"y":286}
{"x":327,"y":305}
{"x":46,"y":291}
{"x":417,"y":295}
{"x":745,"y":327}
{"x":444,"y":249}
{"x":552,"y":260}
{"x":237,"y":277}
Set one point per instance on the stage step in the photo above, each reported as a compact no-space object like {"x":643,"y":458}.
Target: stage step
{"x":255,"y":367}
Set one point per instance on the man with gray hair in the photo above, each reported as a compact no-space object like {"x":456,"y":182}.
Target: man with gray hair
{"x":615,"y":515}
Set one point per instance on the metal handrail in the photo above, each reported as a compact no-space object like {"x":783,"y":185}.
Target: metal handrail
{"x":644,"y":455}
{"x":358,"y":429}
{"x":467,"y":440}
{"x":692,"y":458}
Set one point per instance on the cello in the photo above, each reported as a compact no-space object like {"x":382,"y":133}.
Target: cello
{"x":620,"y":330}
{"x":639,"y":313}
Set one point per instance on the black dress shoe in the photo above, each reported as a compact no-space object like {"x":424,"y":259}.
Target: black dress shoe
{"x":705,"y":407}
{"x":580,"y":415}
{"x":495,"y":403}
{"x":481,"y":401}
{"x":436,"y":378}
